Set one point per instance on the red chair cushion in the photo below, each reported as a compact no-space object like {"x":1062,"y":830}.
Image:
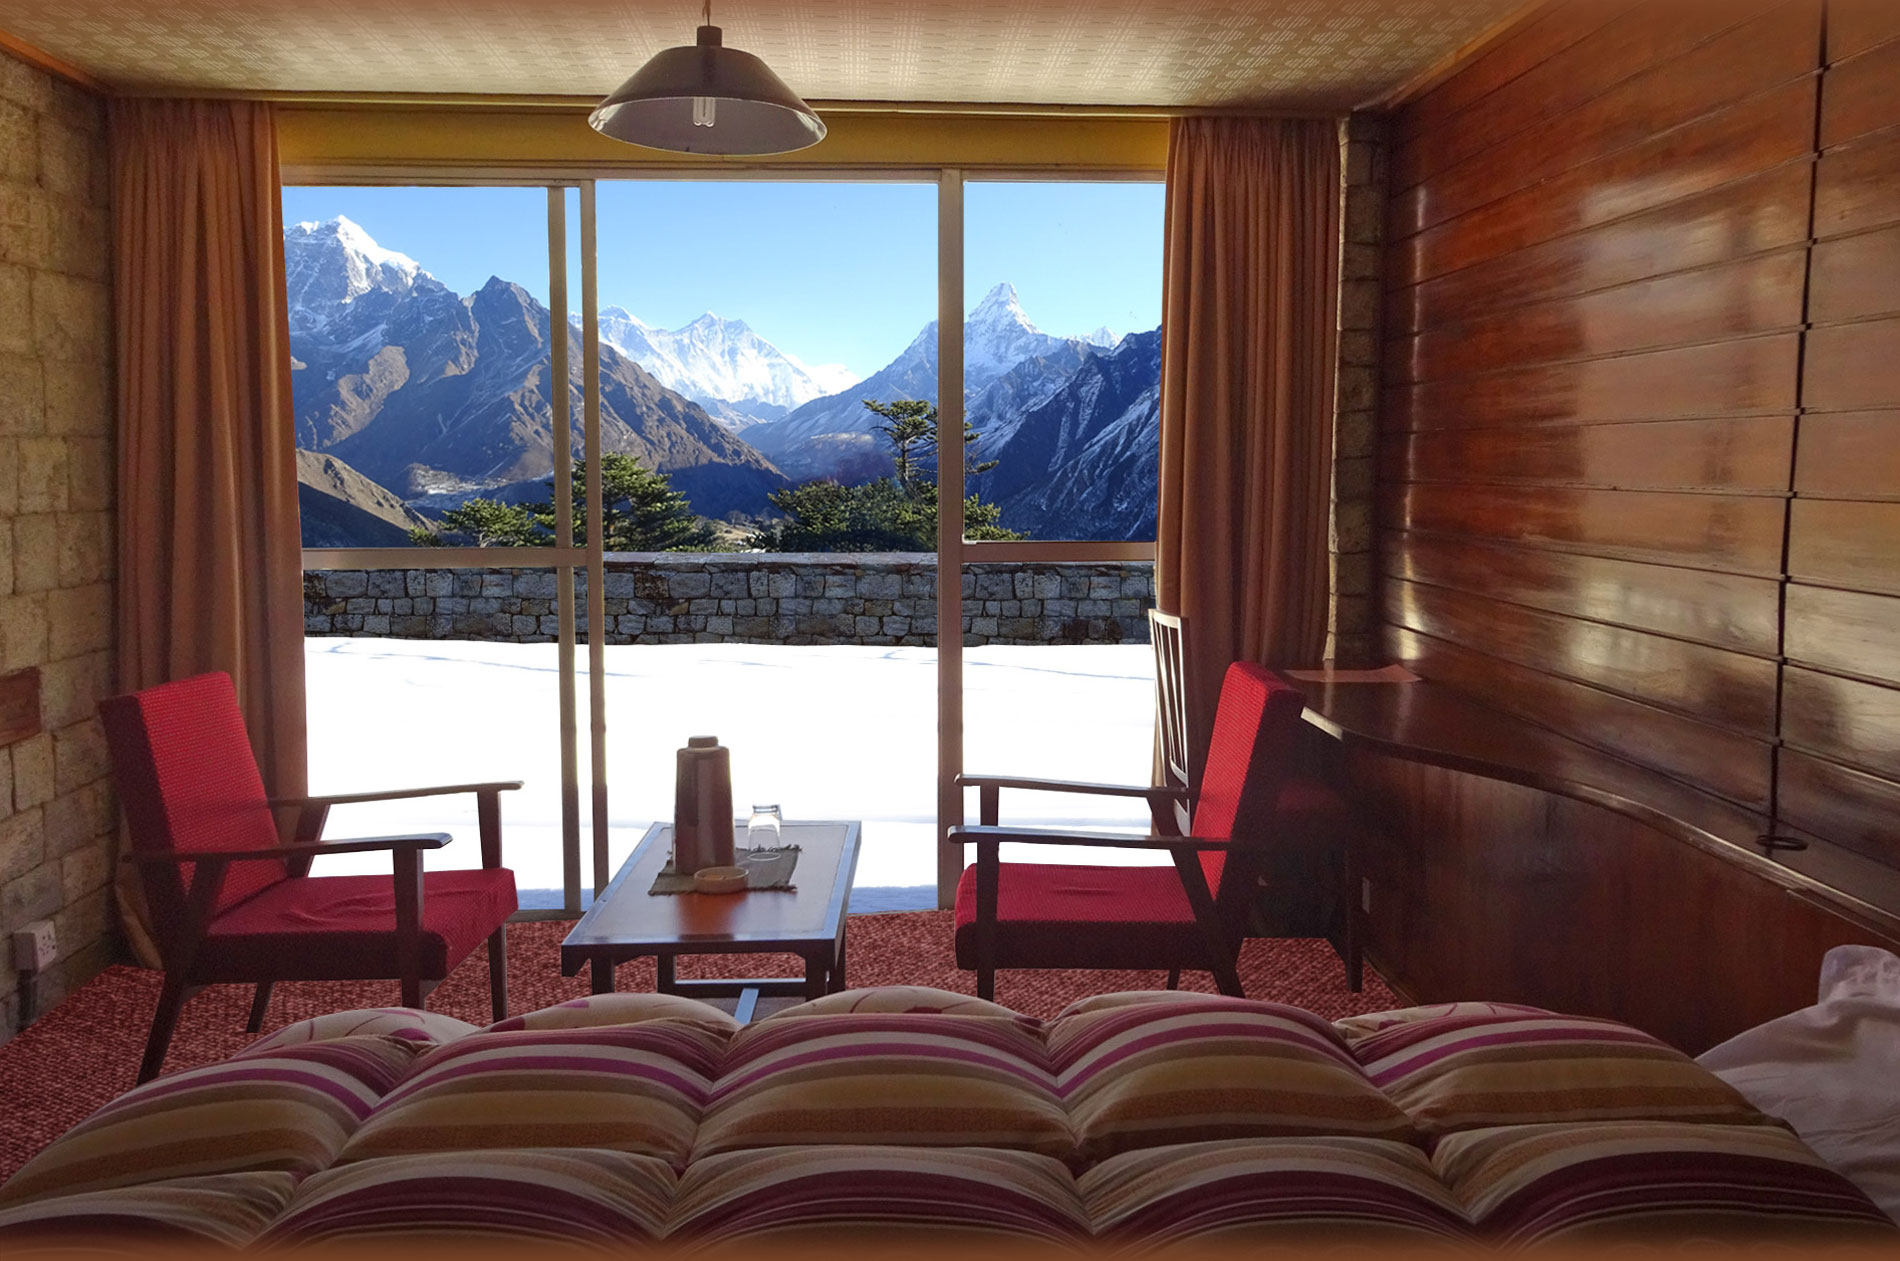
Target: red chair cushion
{"x":343,"y":928}
{"x":188,"y":779}
{"x":1051,"y":916}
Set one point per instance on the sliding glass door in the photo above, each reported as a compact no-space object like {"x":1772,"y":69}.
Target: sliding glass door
{"x":756,"y":334}
{"x":1061,"y":288}
{"x":438,"y":401}
{"x":588,"y":467}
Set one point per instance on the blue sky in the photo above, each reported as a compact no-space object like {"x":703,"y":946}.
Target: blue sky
{"x":833,"y":273}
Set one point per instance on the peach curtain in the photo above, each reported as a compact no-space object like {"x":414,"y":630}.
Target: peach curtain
{"x":209,"y":566}
{"x":1250,"y":296}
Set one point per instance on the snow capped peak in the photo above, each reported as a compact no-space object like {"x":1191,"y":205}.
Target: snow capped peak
{"x":330,"y":265}
{"x":999,"y":306}
{"x":714,"y":360}
{"x":1104,"y":337}
{"x":710,"y":321}
{"x":618,"y":315}
{"x":351,"y":237}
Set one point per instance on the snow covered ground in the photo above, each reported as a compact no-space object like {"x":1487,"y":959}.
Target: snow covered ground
{"x":826,"y":732}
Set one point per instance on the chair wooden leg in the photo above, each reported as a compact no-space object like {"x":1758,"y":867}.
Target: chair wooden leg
{"x":989,"y":875}
{"x":1174,"y":978}
{"x":260,"y":1003}
{"x":1221,"y":954}
{"x":171,"y":1000}
{"x":498,"y":972}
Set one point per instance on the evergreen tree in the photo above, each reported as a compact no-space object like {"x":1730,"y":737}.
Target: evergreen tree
{"x":640,"y":512}
{"x":891,"y":514}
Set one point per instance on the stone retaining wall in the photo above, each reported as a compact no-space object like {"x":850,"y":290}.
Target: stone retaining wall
{"x":753,"y":598}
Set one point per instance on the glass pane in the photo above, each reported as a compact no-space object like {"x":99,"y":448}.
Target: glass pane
{"x":1062,"y":359}
{"x":419,"y":334}
{"x":1058,"y":683}
{"x":438,"y":676}
{"x":763,"y":315}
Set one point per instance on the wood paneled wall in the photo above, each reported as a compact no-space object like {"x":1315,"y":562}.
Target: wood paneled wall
{"x":1640,"y":463}
{"x":1838,"y":772}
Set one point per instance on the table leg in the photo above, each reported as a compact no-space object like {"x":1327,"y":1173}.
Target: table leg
{"x":664,"y":966}
{"x":837,"y":966}
{"x":601,"y":969}
{"x":816,"y":976}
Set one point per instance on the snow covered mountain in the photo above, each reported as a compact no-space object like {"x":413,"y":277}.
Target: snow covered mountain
{"x":1084,"y":461}
{"x":329,"y":266}
{"x":835,"y":436}
{"x":424,"y":391}
{"x":415,"y":396}
{"x":723,"y":365}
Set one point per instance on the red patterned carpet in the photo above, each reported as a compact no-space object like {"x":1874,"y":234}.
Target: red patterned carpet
{"x":86,"y":1051}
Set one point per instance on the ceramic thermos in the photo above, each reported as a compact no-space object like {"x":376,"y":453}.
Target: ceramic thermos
{"x":702,"y":806}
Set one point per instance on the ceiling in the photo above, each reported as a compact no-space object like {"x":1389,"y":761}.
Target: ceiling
{"x":1289,"y":54}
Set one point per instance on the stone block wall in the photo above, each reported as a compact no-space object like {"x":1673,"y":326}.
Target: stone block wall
{"x":57,"y":815}
{"x":753,"y":598}
{"x":1352,"y":638}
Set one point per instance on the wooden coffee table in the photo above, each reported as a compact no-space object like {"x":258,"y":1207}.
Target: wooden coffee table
{"x":626,"y":922}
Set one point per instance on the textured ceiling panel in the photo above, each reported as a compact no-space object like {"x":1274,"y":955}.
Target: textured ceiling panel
{"x":1286,"y":53}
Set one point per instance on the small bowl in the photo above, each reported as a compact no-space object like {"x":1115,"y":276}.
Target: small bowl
{"x":720,"y":879}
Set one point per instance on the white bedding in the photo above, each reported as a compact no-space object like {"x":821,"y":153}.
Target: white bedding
{"x":1832,"y":1070}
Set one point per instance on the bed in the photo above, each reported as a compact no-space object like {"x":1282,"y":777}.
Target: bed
{"x":1130,"y":1121}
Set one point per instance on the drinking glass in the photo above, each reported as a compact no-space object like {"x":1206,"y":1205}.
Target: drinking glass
{"x":765,"y":828}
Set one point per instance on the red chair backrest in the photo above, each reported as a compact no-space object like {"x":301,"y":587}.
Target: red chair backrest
{"x":1248,"y":760}
{"x":188,"y":780}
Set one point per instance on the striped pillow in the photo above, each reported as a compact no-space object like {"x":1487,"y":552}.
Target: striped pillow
{"x":1130,"y":998}
{"x":289,"y":1109}
{"x":943,"y":1195}
{"x":904,"y":998}
{"x":1151,"y":1074}
{"x":619,"y":1009}
{"x":573,"y":1195}
{"x":1342,"y":1190}
{"x":1652,"y":1181}
{"x":635,"y":1088}
{"x":915,"y":1080}
{"x":427,"y":1027}
{"x":1353,"y":1028}
{"x":1479,"y":1069}
{"x":226,"y":1210}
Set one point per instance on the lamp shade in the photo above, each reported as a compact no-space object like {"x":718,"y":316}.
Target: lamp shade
{"x":707,"y":98}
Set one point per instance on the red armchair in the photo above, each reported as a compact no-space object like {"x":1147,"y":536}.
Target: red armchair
{"x":230,"y":902}
{"x":1193,"y":914}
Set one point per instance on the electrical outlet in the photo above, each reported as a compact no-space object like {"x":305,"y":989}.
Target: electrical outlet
{"x":35,"y":947}
{"x":1365,"y":895}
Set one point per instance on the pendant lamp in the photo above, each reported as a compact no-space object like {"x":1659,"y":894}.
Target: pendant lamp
{"x":708,"y":98}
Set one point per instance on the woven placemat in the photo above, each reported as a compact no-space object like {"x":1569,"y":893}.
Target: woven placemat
{"x":766,"y":869}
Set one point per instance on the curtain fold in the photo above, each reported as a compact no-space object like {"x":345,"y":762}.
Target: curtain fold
{"x":1250,"y":302}
{"x":209,"y":564}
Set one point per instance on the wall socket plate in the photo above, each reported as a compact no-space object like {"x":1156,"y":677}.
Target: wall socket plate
{"x":35,"y":947}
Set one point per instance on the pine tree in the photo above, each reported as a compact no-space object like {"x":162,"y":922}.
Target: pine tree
{"x":891,"y":514}
{"x":640,"y":512}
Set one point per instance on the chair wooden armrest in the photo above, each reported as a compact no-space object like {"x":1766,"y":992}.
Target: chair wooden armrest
{"x":1105,"y":840}
{"x":1164,"y":791}
{"x":395,"y":794}
{"x":297,"y":849}
{"x":989,"y":797}
{"x":314,"y":812}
